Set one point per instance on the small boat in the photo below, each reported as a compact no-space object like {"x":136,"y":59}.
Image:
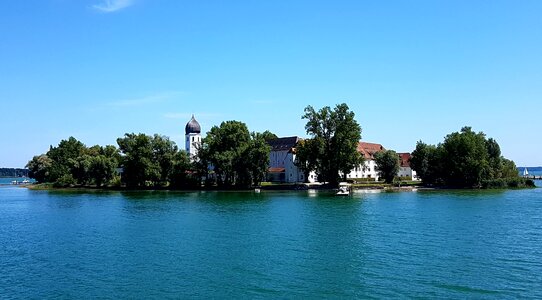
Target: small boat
{"x":344,"y":189}
{"x":525,"y":172}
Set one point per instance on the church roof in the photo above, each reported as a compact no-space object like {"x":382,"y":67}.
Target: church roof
{"x":369,"y":149}
{"x":192,"y":126}
{"x":284,"y":144}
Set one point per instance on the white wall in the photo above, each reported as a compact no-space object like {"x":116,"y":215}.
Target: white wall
{"x":191,"y":142}
{"x":407,"y":172}
{"x":367,"y":170}
{"x":285,"y":159}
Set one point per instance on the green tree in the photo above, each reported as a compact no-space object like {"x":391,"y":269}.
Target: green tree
{"x":182,"y":175}
{"x":465,"y":159}
{"x":39,"y":168}
{"x":426,"y":161}
{"x":138,"y":160}
{"x":102,"y":169}
{"x":307,"y":153}
{"x":225,"y":143}
{"x":254,"y":160}
{"x":63,"y":157}
{"x":268,"y":136}
{"x":164,"y":151}
{"x":237,"y":157}
{"x":337,"y":133}
{"x":387,"y":164}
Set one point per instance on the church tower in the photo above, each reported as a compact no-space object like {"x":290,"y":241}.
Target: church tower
{"x":192,"y":137}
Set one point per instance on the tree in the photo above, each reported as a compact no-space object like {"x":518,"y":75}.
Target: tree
{"x":337,"y":134}
{"x":255,"y":159}
{"x":465,"y":159}
{"x":307,"y":153}
{"x":425,"y":160}
{"x":63,"y":157}
{"x":225,"y":143}
{"x":236,"y":156}
{"x":138,"y":160}
{"x":268,"y":136}
{"x":102,"y":169}
{"x":387,"y":164}
{"x":182,"y":172}
{"x":39,"y":168}
{"x":164,"y":151}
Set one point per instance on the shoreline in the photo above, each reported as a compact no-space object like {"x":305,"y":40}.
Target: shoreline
{"x":291,"y":188}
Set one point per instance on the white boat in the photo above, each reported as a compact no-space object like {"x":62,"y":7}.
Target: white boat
{"x":344,"y":189}
{"x":525,"y":172}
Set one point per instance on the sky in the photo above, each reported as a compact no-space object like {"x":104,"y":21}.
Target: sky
{"x":410,"y":70}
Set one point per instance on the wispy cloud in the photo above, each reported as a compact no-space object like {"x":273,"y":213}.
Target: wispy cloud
{"x":151,"y":99}
{"x":109,"y":6}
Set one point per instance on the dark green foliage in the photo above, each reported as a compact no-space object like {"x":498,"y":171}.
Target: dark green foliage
{"x":39,"y":168}
{"x":147,"y":160}
{"x":336,"y":133}
{"x":63,"y":159}
{"x":387,"y":164}
{"x":182,"y":174}
{"x":465,"y":160}
{"x":268,"y":136}
{"x":66,"y":180}
{"x":72,"y":163}
{"x":502,"y":183}
{"x":238,"y":158}
{"x":307,"y":154}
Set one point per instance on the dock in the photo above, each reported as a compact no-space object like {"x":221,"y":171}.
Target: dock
{"x":533,"y":177}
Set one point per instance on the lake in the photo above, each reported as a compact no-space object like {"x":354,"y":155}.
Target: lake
{"x":307,"y":244}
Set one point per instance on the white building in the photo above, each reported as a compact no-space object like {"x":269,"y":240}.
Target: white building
{"x":367,"y":171}
{"x":192,"y":137}
{"x":282,"y":159}
{"x":405,"y":170}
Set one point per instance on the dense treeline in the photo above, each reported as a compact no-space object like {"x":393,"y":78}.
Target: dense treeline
{"x":235,"y":156}
{"x":13,"y":172}
{"x":230,"y":155}
{"x":465,"y":159}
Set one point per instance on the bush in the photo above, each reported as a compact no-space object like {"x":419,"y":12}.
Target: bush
{"x":65,"y":180}
{"x":503,"y":183}
{"x":116,"y":181}
{"x":362,"y":180}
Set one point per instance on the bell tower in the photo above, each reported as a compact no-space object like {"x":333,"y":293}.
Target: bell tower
{"x":192,"y":137}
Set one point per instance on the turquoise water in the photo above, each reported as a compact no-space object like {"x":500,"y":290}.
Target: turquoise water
{"x":8,"y":180}
{"x":434,"y":244}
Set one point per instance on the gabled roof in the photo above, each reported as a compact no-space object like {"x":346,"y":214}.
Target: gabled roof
{"x":404,"y":159}
{"x":284,"y":144}
{"x":369,"y":149}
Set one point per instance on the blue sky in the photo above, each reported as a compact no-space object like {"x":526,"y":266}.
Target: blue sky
{"x":410,"y":70}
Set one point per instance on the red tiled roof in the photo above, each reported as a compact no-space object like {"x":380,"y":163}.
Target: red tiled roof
{"x":369,"y":149}
{"x":404,"y":159}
